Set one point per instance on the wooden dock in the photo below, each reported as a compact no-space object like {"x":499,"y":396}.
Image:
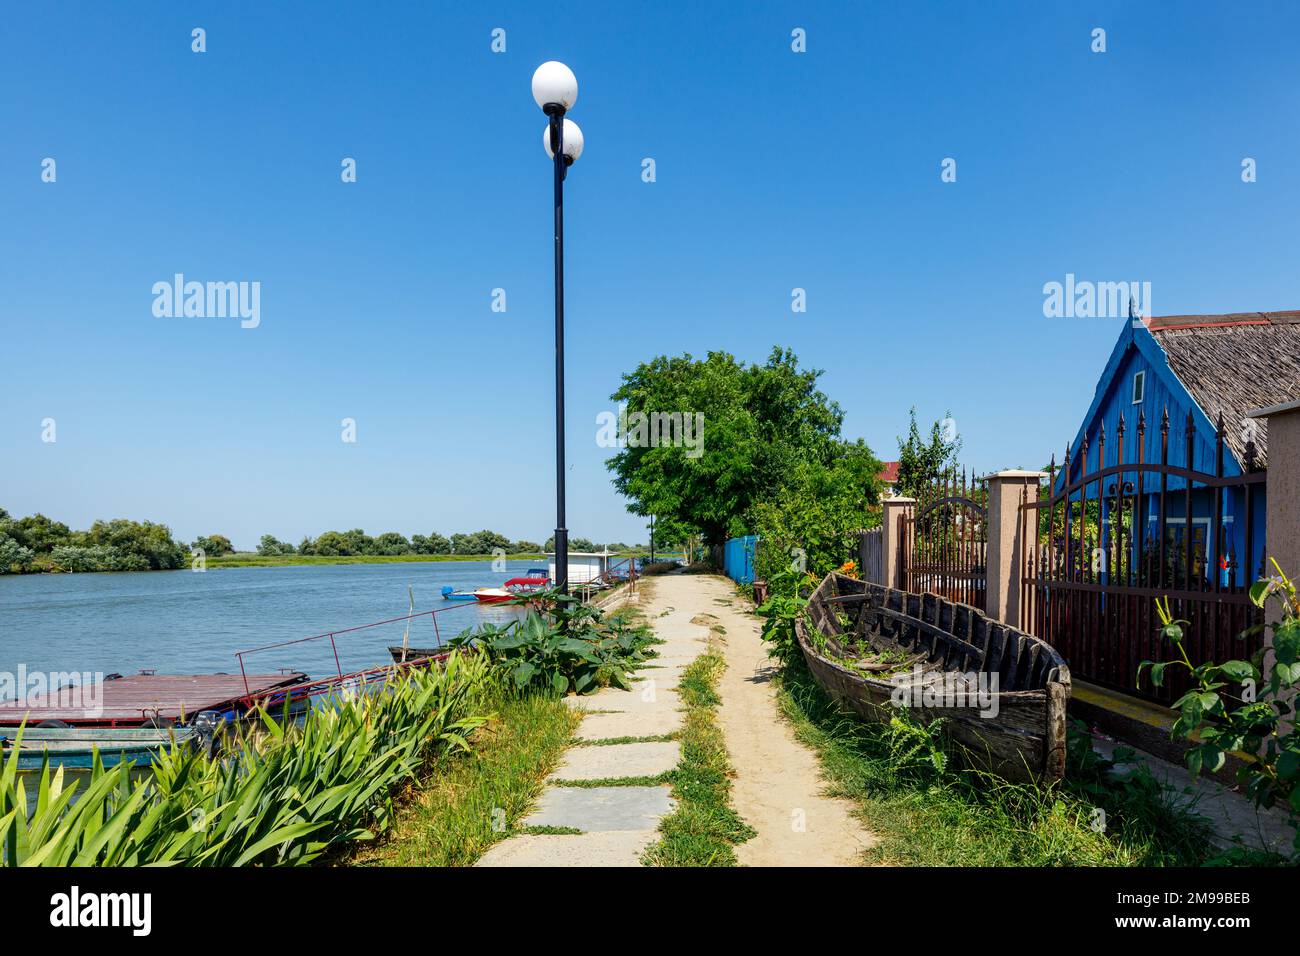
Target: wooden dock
{"x":144,"y":699}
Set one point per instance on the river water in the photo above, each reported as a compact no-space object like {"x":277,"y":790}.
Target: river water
{"x":182,"y":622}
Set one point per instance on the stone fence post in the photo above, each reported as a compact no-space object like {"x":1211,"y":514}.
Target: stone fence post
{"x":1004,"y":560}
{"x":1282,"y":511}
{"x":891,"y":538}
{"x":1282,"y":534}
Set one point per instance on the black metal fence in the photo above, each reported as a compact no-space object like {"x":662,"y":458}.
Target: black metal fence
{"x":944,"y":542}
{"x":1100,"y":548}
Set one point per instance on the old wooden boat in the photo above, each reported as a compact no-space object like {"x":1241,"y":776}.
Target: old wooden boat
{"x":403,"y":655}
{"x":74,"y":748}
{"x":149,"y":700}
{"x":1001,"y":692}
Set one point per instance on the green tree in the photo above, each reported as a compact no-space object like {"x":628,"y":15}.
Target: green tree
{"x":391,"y":543}
{"x":921,"y":461}
{"x":270,"y":545}
{"x":359,"y":542}
{"x":38,"y":533}
{"x":433,"y":544}
{"x":13,"y":556}
{"x":333,"y":544}
{"x":814,"y":524}
{"x":152,"y":543}
{"x":671,"y":534}
{"x":575,"y":544}
{"x":214,"y":545}
{"x":759,"y":423}
{"x":491,"y":540}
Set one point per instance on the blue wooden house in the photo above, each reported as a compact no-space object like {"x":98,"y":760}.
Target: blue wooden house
{"x":1205,"y":373}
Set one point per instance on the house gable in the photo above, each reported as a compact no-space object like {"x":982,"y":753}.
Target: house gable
{"x":1137,"y":351}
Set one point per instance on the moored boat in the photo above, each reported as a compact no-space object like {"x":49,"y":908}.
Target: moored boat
{"x":1001,"y":692}
{"x":74,"y":748}
{"x":514,"y":588}
{"x":451,"y":594}
{"x":149,"y":700}
{"x":403,"y":655}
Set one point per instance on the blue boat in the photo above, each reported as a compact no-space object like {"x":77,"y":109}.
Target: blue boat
{"x":74,"y":748}
{"x":451,"y":594}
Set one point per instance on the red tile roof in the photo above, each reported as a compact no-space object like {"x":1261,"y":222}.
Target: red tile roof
{"x":889,"y":474}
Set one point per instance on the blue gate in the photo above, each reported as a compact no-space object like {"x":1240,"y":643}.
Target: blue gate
{"x":738,"y":559}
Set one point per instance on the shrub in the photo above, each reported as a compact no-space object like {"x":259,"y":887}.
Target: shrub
{"x":566,"y":647}
{"x":271,"y":546}
{"x":96,"y":558}
{"x":1231,"y":708}
{"x":13,"y":556}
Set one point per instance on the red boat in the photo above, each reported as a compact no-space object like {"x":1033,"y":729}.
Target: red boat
{"x":514,"y":588}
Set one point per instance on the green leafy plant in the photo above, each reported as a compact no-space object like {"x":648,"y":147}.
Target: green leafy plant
{"x":562,"y":645}
{"x":1231,"y":708}
{"x":915,"y":748}
{"x":782,"y":608}
{"x":285,"y":795}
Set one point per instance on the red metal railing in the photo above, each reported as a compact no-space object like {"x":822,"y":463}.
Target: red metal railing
{"x":331,"y":637}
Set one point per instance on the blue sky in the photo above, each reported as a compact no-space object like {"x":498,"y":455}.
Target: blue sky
{"x":775,"y":170}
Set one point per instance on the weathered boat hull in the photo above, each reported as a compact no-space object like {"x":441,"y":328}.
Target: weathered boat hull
{"x":401,"y":655}
{"x":1017,"y":732}
{"x":74,"y":748}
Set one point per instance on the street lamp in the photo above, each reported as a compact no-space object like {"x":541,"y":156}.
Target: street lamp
{"x":555,"y":89}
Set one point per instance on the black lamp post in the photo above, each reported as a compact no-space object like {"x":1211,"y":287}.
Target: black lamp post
{"x":555,"y":89}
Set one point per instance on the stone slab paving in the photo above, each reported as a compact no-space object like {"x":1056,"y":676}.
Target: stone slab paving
{"x":621,"y":701}
{"x":601,"y":809}
{"x":616,"y":725}
{"x":618,"y":761}
{"x":668,"y":661}
{"x":1233,"y":817}
{"x":651,"y":681}
{"x":615,"y":848}
{"x":617,"y":823}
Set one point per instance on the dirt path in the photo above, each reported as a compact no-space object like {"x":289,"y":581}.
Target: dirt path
{"x":778,"y":787}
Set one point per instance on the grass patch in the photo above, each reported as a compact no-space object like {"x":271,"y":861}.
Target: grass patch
{"x":656,"y":739}
{"x":928,"y":816}
{"x":704,"y":829}
{"x":657,"y":780}
{"x":469,"y":801}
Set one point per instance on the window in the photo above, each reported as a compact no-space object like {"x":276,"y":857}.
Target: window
{"x":1139,"y":387}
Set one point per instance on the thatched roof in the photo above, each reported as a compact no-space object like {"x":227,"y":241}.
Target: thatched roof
{"x":1231,"y":364}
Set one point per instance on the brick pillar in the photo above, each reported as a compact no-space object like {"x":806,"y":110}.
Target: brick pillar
{"x":1282,"y":531}
{"x":890,"y":538}
{"x":1282,"y":537}
{"x":1002,"y":598}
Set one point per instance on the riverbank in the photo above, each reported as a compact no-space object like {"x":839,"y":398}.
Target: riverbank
{"x":248,"y":559}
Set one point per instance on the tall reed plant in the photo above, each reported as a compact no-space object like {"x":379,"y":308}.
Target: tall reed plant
{"x":283,"y":795}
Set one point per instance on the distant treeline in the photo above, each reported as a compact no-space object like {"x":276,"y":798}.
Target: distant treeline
{"x":36,"y":543}
{"x":390,"y":543}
